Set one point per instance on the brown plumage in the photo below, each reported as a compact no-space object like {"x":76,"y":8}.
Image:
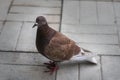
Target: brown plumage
{"x":61,"y":48}
{"x":53,"y":44}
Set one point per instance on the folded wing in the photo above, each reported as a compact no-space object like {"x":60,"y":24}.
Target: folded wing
{"x":61,"y":48}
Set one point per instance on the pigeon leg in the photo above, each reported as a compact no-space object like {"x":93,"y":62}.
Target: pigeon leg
{"x":52,"y":66}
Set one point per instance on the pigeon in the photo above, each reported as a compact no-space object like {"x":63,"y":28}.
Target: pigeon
{"x":57,"y":47}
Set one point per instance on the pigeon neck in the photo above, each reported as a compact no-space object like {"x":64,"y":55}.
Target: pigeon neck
{"x":44,"y":30}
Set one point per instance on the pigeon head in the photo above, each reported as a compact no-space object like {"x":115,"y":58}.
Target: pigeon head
{"x":40,"y":21}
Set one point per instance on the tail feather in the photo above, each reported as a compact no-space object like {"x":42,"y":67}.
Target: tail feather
{"x":92,"y":60}
{"x":84,"y":55}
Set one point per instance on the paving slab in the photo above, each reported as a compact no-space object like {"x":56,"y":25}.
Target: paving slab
{"x":118,"y":21}
{"x":21,"y":72}
{"x":118,"y":28}
{"x":117,"y":9}
{"x":32,"y":17}
{"x":93,"y":24}
{"x":9,"y":35}
{"x":43,"y":3}
{"x":70,"y":12}
{"x":68,"y":72}
{"x":98,"y":39}
{"x":27,"y":38}
{"x":4,"y":7}
{"x":34,"y":10}
{"x":105,"y":0}
{"x":90,"y":71}
{"x":110,"y":67}
{"x":116,"y":0}
{"x":88,"y":13}
{"x":105,"y":12}
{"x":119,"y":35}
{"x":22,"y":58}
{"x":102,"y":49}
{"x":89,"y":29}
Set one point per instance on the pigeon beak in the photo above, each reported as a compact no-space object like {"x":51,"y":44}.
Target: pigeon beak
{"x":34,"y":25}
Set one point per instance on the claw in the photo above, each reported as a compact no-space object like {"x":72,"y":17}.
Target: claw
{"x":52,"y":66}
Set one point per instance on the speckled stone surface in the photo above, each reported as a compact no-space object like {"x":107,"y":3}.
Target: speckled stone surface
{"x":93,"y":24}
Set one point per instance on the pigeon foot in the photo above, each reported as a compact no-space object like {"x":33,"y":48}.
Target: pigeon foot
{"x":51,"y":66}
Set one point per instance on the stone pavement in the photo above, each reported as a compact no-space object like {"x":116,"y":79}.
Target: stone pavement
{"x":93,"y":24}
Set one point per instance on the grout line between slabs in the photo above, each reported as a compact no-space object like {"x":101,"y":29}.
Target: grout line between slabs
{"x":78,"y":71}
{"x":26,"y":21}
{"x":37,"y":6}
{"x":83,"y":33}
{"x":19,"y":35}
{"x":10,"y":6}
{"x":107,"y":55}
{"x":27,"y":52}
{"x":48,"y":14}
{"x":21,"y":64}
{"x":19,"y":51}
{"x":56,"y":75}
{"x":101,"y":70}
{"x":4,"y":21}
{"x":97,"y":12}
{"x":3,"y":24}
{"x":61,"y":15}
{"x":96,"y":43}
{"x":92,"y":0}
{"x":79,"y":12}
{"x":116,"y":23}
{"x":107,"y":25}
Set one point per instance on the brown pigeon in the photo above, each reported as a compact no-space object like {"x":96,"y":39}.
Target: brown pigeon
{"x":58,"y":47}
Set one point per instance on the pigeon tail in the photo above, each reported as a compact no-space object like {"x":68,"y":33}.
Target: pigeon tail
{"x":84,"y":56}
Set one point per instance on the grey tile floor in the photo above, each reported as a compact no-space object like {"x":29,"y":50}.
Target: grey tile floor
{"x":93,"y":24}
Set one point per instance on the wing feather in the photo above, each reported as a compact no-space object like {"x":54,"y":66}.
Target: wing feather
{"x":61,"y":48}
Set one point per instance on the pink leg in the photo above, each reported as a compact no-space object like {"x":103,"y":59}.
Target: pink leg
{"x":52,"y":66}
